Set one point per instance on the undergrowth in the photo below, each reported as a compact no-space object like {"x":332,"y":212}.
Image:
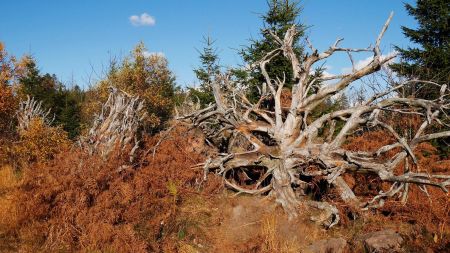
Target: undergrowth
{"x":73,"y":202}
{"x":76,"y":202}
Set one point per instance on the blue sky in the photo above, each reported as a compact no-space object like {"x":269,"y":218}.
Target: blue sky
{"x":77,"y":38}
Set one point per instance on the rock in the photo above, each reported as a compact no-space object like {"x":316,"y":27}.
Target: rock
{"x":383,"y":241}
{"x":333,"y":245}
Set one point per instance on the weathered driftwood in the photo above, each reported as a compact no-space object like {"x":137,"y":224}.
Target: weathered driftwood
{"x":294,"y":147}
{"x":117,"y":125}
{"x":31,"y":109}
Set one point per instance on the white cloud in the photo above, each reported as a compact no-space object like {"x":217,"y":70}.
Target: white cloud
{"x":143,"y":20}
{"x":326,"y":73}
{"x":362,"y":63}
{"x":149,"y":54}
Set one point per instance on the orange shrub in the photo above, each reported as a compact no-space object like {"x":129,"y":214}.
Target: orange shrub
{"x":7,"y":110}
{"x":9,"y":180}
{"x":147,"y":76}
{"x":8,"y":106}
{"x":39,"y":143}
{"x":8,"y":103}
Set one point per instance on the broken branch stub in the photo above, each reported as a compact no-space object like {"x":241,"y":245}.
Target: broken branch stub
{"x":274,"y":148}
{"x":117,"y":126}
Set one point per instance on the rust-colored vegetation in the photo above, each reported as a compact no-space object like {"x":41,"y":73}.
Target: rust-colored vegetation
{"x":427,"y":209}
{"x":80,"y":203}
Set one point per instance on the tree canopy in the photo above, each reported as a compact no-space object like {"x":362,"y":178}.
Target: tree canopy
{"x":281,"y":15}
{"x":429,"y":59}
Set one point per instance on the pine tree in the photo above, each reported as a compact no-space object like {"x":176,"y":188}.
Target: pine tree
{"x":206,"y":73}
{"x":430,"y":59}
{"x":282,"y":15}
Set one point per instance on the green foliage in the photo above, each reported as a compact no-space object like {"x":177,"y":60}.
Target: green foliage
{"x":340,"y":103}
{"x":206,"y":73}
{"x":42,"y":87}
{"x":70,"y":114}
{"x":430,"y":59}
{"x":64,"y":103}
{"x":282,"y":15}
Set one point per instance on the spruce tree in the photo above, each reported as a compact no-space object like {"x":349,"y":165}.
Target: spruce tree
{"x":430,"y":59}
{"x":70,"y":113}
{"x":206,"y":73}
{"x":282,"y":15}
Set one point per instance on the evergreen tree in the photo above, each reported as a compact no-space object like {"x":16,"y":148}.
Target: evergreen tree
{"x":430,"y":60}
{"x":206,"y":73}
{"x":64,"y":104}
{"x":282,"y":15}
{"x":70,"y":114}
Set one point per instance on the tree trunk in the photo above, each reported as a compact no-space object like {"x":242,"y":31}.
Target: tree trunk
{"x":282,"y":189}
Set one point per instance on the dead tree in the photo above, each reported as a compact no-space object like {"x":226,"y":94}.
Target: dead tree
{"x":284,"y":142}
{"x":117,"y":125}
{"x":31,"y":109}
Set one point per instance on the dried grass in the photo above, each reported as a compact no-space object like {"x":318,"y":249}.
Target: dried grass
{"x":272,"y":240}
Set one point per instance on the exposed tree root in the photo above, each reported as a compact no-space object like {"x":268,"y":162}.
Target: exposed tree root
{"x":284,"y":142}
